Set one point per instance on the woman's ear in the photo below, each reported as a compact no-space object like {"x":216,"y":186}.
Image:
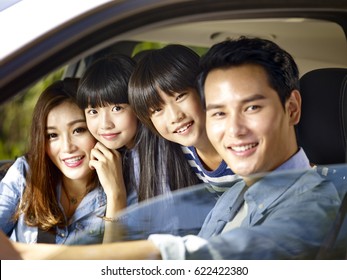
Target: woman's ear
{"x":293,"y":107}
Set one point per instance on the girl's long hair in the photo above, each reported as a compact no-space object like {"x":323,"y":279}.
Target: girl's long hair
{"x":40,"y":203}
{"x":162,"y":165}
{"x":171,"y":69}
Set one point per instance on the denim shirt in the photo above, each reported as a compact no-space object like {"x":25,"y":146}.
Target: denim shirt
{"x":85,"y":226}
{"x":288,"y":216}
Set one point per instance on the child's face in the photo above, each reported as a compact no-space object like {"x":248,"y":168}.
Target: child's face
{"x":114,"y":125}
{"x":181,"y":119}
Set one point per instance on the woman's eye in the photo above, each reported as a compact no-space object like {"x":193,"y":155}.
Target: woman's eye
{"x":80,"y":130}
{"x":51,"y":136}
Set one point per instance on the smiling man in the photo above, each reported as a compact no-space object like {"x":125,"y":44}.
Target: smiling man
{"x":246,"y":120}
{"x":252,"y":99}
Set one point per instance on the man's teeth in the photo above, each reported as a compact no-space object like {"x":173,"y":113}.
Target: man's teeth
{"x":243,"y":148}
{"x":73,"y":160}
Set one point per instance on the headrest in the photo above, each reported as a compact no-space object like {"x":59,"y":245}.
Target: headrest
{"x":322,"y":130}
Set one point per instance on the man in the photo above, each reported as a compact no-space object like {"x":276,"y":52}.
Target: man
{"x":252,"y":99}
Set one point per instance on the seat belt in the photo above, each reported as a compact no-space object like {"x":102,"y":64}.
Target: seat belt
{"x":46,"y":236}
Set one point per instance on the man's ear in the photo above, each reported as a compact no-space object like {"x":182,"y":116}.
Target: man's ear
{"x":293,"y":107}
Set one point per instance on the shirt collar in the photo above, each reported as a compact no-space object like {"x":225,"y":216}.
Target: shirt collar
{"x":297,"y":161}
{"x":276,"y":184}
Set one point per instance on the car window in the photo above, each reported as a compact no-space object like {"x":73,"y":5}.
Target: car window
{"x":34,"y":53}
{"x":184,"y":211}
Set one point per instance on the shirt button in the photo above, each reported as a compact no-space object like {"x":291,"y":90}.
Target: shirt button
{"x":62,"y":234}
{"x":261,"y":206}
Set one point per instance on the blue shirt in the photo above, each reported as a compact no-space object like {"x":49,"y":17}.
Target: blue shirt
{"x":288,"y":217}
{"x":85,"y":227}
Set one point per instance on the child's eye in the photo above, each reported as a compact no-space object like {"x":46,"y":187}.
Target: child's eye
{"x":117,"y":108}
{"x":180,"y":96}
{"x":155,"y":111}
{"x":92,"y":112}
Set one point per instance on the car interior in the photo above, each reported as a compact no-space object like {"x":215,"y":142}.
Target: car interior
{"x":316,"y":41}
{"x":322,"y":90}
{"x":325,"y":90}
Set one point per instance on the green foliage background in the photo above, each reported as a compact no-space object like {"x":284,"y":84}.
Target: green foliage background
{"x":16,"y":118}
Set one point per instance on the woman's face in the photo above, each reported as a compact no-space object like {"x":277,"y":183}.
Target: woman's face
{"x":69,"y":141}
{"x":114,"y":125}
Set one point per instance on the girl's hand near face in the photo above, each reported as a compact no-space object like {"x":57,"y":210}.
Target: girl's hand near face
{"x":108,"y":165}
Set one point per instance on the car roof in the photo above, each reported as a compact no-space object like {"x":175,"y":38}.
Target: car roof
{"x":89,"y":27}
{"x":37,"y":18}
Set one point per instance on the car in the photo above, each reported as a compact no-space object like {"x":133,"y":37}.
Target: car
{"x":69,"y":35}
{"x":314,"y":33}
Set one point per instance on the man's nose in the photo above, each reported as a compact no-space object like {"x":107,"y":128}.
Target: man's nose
{"x":236,"y":126}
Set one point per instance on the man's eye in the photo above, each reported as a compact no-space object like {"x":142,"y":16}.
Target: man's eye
{"x":252,"y":108}
{"x":218,"y":114}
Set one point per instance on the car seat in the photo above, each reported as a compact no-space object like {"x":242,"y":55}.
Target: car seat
{"x":322,"y":132}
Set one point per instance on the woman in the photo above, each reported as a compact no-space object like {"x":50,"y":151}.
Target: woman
{"x":51,"y":195}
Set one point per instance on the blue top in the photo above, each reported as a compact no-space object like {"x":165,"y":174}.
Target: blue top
{"x":85,"y":227}
{"x":216,"y":178}
{"x":288,"y":217}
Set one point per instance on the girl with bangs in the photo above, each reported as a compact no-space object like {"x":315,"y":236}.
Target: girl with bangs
{"x":163,"y":93}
